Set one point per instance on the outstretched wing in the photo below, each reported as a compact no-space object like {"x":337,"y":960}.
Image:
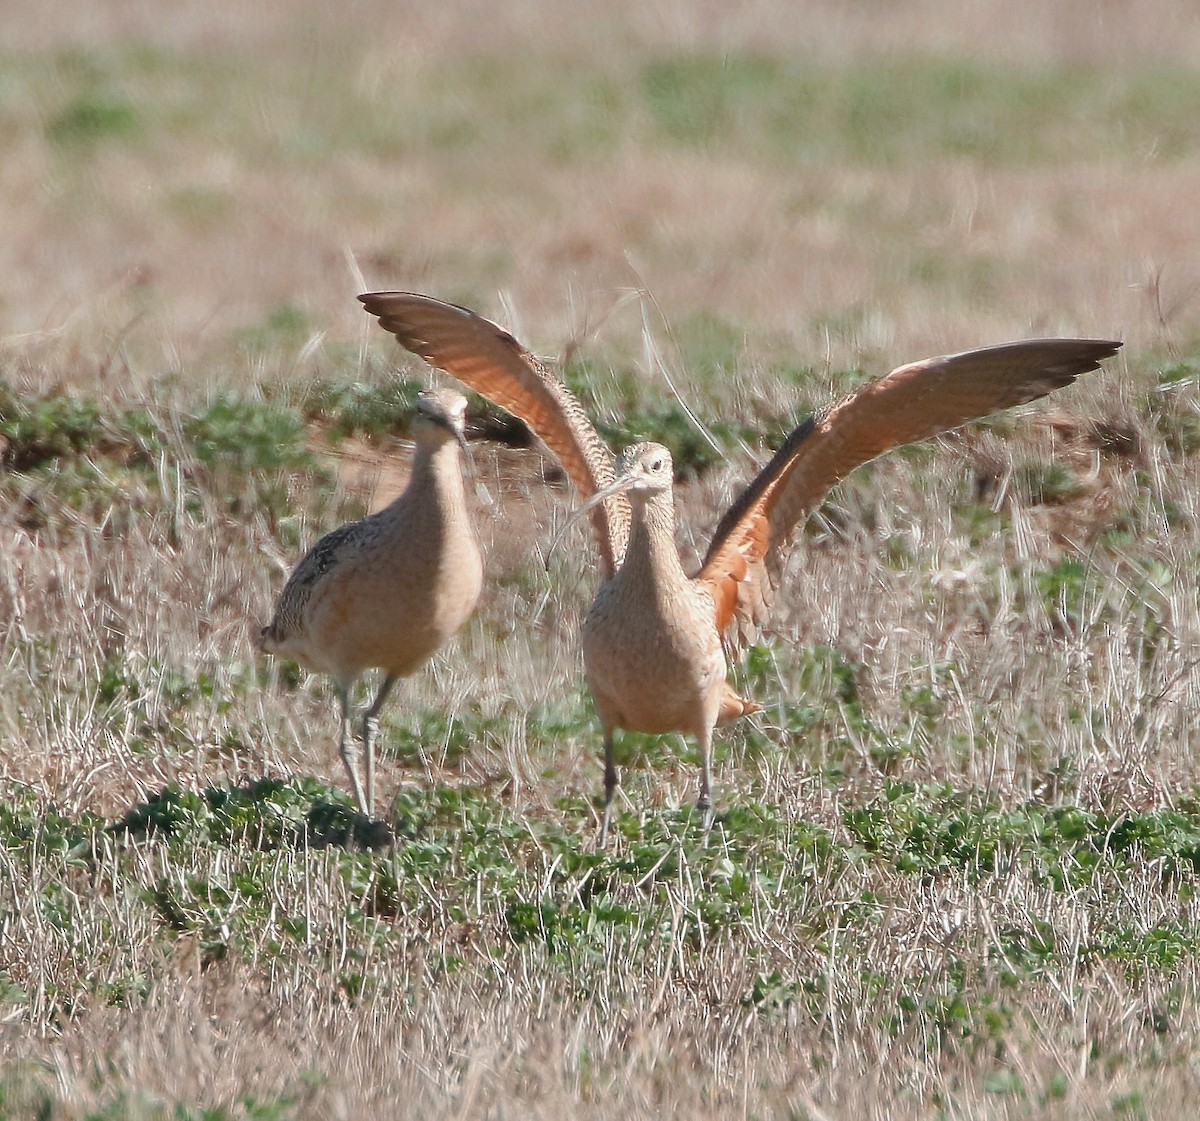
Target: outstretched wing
{"x":490,"y":361}
{"x":911,"y":403}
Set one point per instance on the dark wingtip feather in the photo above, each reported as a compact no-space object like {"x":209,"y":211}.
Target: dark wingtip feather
{"x":1091,"y":353}
{"x":1084,"y":356}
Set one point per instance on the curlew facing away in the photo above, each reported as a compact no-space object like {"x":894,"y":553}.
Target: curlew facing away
{"x":385,"y":592}
{"x":652,"y":640}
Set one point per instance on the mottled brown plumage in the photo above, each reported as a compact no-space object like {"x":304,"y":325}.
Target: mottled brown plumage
{"x":652,"y":641}
{"x":385,"y":592}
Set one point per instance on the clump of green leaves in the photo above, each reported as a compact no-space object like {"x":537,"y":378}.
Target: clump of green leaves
{"x":29,"y":828}
{"x":443,"y":736}
{"x":91,"y":118}
{"x":270,"y":813}
{"x":69,"y":450}
{"x":933,"y":830}
{"x":1064,"y":588}
{"x":354,"y":408}
{"x":38,"y":429}
{"x":244,"y":434}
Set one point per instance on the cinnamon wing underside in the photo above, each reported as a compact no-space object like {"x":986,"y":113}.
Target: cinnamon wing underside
{"x":487,"y":359}
{"x":912,"y":403}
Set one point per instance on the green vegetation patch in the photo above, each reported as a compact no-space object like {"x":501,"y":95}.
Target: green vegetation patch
{"x":92,"y":118}
{"x":34,"y":830}
{"x":242,"y":434}
{"x":279,"y":876}
{"x":63,"y":449}
{"x":627,"y":409}
{"x":891,"y":110}
{"x":935,"y":830}
{"x":879,"y":110}
{"x":897,"y":109}
{"x":1172,"y":408}
{"x":447,"y":833}
{"x":38,"y":428}
{"x":355,"y":408}
{"x":269,"y":813}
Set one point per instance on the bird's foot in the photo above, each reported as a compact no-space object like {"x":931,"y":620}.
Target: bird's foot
{"x":373,"y":833}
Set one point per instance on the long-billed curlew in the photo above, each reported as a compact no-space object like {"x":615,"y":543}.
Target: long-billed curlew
{"x":652,"y":641}
{"x":385,"y":592}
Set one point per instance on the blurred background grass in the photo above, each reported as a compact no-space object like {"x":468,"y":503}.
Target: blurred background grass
{"x":849,"y":178}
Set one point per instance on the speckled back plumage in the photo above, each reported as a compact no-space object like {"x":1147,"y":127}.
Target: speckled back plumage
{"x":319,"y":560}
{"x":388,"y":590}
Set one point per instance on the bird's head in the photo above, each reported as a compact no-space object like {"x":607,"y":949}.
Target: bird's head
{"x":643,"y":469}
{"x":440,"y":412}
{"x":643,"y":472}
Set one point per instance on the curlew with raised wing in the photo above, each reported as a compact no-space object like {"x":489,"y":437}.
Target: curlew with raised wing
{"x":655,"y":638}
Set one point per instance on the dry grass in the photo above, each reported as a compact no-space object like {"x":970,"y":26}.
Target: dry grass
{"x":992,"y":638}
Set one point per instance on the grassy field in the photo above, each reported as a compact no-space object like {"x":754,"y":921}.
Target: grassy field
{"x":955,"y":861}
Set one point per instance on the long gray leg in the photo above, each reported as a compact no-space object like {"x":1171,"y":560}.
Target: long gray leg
{"x":610,"y":784}
{"x":704,"y":802}
{"x":370,"y":734}
{"x":348,"y":754}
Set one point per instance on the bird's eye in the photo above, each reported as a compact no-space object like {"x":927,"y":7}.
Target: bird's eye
{"x":656,"y":466}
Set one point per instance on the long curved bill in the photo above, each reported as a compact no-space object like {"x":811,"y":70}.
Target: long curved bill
{"x":622,"y":482}
{"x":459,"y":434}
